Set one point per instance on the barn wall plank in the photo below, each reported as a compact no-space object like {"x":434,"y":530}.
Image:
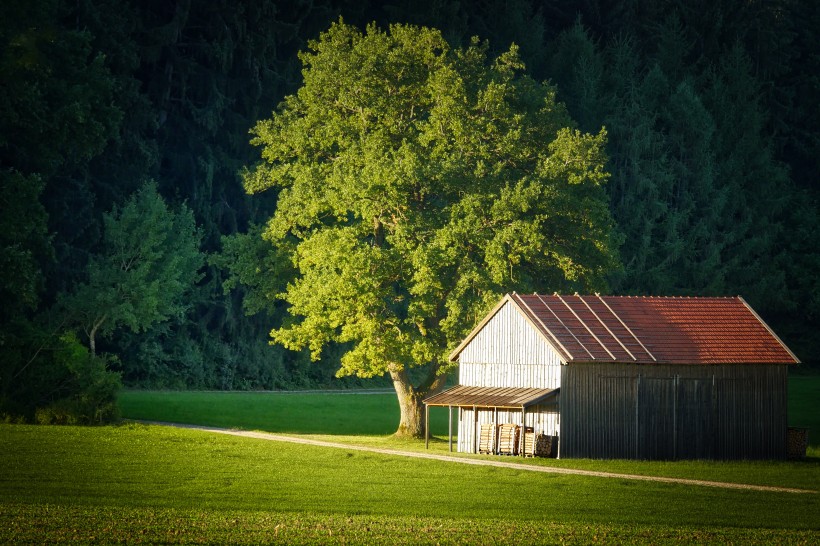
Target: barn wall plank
{"x":509,"y":352}
{"x":673,"y":412}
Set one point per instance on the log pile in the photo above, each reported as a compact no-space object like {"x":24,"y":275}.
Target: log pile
{"x":798,"y":441}
{"x":538,"y":445}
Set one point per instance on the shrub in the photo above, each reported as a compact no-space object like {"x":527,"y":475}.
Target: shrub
{"x":88,"y":393}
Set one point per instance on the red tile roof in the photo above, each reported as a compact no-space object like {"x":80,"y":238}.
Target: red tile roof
{"x":669,"y":330}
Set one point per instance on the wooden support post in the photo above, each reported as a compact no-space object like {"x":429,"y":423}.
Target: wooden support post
{"x":675,"y":417}
{"x":450,"y":426}
{"x":495,"y":432}
{"x":475,"y":431}
{"x":426,"y":426}
{"x":461,"y":424}
{"x":522,"y":443}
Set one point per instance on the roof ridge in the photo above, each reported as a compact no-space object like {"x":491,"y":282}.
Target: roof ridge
{"x":642,"y":296}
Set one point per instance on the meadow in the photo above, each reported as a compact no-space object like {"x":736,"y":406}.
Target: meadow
{"x":147,"y":483}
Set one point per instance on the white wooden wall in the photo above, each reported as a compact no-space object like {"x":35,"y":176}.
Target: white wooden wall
{"x":508,"y":352}
{"x":542,"y":419}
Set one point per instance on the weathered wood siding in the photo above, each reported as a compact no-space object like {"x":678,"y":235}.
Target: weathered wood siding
{"x":542,"y":419}
{"x":508,"y":352}
{"x":674,"y":412}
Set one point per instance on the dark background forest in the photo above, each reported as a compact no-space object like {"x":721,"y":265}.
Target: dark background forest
{"x":116,"y":112}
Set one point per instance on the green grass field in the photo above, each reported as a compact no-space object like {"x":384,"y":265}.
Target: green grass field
{"x":295,"y":413}
{"x":804,"y":405}
{"x":151,"y":483}
{"x":139,"y":483}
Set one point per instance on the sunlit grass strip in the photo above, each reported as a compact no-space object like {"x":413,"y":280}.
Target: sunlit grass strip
{"x":510,"y":463}
{"x":308,"y":413}
{"x":145,"y":467}
{"x":55,"y":524}
{"x":370,"y":419}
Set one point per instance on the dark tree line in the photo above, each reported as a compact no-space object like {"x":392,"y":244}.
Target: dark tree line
{"x":711,"y":108}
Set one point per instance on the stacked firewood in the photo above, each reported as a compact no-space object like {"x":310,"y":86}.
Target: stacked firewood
{"x":798,"y":441}
{"x":537,"y":445}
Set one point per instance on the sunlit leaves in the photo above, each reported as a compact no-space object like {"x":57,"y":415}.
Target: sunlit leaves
{"x":419,"y":183}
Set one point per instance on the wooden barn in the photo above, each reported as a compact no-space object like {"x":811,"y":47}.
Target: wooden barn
{"x":621,"y":377}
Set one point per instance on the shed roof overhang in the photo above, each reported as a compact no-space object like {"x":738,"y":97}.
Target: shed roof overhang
{"x":491,"y":397}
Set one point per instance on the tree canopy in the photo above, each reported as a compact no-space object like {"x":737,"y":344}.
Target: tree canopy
{"x":710,"y":109}
{"x":149,"y":263}
{"x":417,"y":183}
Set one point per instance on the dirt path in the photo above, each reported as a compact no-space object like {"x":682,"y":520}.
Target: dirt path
{"x":479,"y":462}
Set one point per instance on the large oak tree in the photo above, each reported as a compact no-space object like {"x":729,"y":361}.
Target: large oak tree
{"x":417,"y":183}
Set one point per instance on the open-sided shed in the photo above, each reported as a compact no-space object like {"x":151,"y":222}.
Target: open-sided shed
{"x":626,"y":377}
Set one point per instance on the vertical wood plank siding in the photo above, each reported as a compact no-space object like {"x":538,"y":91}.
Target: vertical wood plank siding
{"x":674,"y":412}
{"x":508,"y":352}
{"x":542,"y":419}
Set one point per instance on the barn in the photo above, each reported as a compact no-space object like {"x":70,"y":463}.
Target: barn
{"x":621,"y":377}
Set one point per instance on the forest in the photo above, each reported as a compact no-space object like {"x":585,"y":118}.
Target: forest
{"x":133,"y":254}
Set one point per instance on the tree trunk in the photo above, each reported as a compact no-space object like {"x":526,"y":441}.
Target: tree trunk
{"x":92,"y":335}
{"x":92,"y":342}
{"x":411,"y":424}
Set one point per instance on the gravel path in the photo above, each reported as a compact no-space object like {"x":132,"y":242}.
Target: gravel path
{"x":479,"y":462}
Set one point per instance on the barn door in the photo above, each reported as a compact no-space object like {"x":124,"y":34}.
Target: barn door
{"x":656,"y":418}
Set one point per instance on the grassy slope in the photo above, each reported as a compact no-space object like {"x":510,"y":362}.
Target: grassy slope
{"x":135,"y":481}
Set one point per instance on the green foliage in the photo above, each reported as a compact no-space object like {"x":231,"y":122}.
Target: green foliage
{"x":53,"y":84}
{"x":254,"y":265}
{"x":88,"y":395}
{"x":96,"y":97}
{"x":417,"y":184}
{"x":804,"y":393}
{"x":150,"y":260}
{"x":695,"y":105}
{"x":51,"y":378}
{"x":696,"y":190}
{"x":24,"y":244}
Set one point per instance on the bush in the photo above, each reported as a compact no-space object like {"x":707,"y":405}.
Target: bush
{"x":86,"y":392}
{"x":92,"y":397}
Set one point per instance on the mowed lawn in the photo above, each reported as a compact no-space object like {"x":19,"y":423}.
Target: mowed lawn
{"x":139,"y":483}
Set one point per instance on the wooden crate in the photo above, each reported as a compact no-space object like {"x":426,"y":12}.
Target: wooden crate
{"x":508,"y":437}
{"x":487,"y":437}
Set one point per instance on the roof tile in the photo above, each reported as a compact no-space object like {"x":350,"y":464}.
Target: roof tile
{"x":654,"y":329}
